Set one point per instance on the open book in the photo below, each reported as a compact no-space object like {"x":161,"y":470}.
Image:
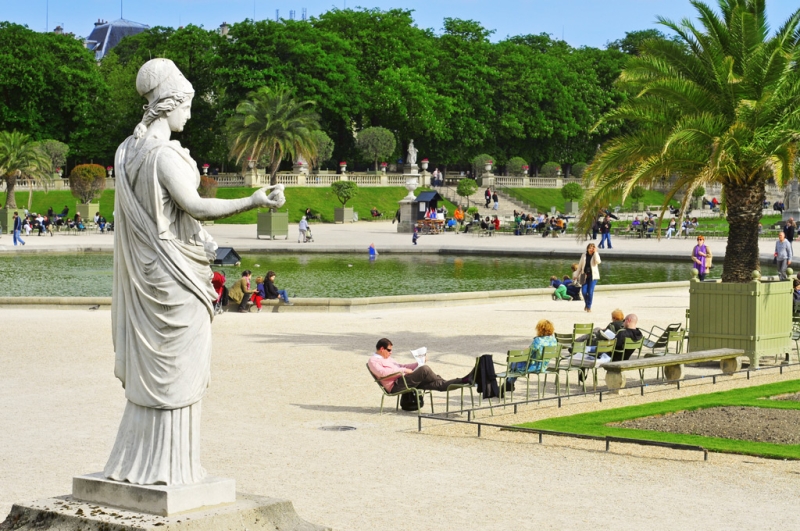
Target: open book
{"x":419,"y":355}
{"x":608,"y":334}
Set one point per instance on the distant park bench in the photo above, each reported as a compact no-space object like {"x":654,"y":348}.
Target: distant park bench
{"x":672,"y":364}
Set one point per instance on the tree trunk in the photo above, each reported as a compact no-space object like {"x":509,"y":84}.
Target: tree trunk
{"x":273,"y":172}
{"x":11,"y":200}
{"x":744,"y":212}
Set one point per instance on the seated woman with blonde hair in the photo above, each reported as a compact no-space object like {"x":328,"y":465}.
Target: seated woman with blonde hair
{"x":545,"y":337}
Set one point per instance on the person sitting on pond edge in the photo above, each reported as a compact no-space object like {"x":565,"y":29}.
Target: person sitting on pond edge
{"x":422,"y":377}
{"x":241,"y":291}
{"x":273,"y":292}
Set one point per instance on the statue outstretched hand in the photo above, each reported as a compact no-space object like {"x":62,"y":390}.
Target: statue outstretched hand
{"x":275,"y":199}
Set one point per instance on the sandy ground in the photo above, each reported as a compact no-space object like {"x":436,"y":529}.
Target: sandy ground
{"x":277,"y":378}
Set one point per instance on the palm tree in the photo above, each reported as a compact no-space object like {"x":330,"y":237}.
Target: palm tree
{"x":273,"y":125}
{"x":21,"y":157}
{"x":719,"y":105}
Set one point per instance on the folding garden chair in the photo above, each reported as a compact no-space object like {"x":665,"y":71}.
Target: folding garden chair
{"x":417,"y":392}
{"x":517,"y":362}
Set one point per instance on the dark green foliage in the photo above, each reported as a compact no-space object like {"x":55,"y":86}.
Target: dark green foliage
{"x":376,"y":143}
{"x":515,"y":165}
{"x":87,"y":181}
{"x":324,"y":147}
{"x":550,"y":169}
{"x":699,"y":192}
{"x":637,"y":193}
{"x":466,"y":187}
{"x":577,"y":169}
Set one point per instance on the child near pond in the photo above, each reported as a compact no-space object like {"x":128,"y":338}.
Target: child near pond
{"x":415,"y":237}
{"x":560,"y":294}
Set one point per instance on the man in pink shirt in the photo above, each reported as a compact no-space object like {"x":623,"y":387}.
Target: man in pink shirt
{"x":381,"y":364}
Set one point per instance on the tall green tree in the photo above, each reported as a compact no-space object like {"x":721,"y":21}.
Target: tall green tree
{"x":21,"y":157}
{"x":722,"y":105}
{"x":272,"y":124}
{"x":376,"y":143}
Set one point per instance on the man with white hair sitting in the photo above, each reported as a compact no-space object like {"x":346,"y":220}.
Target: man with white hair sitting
{"x":629,"y":331}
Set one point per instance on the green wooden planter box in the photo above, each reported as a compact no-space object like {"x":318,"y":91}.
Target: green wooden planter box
{"x":343,"y":215}
{"x":7,"y":219}
{"x":87,"y":211}
{"x":571,"y":207}
{"x":756,"y":317}
{"x":273,"y":224}
{"x":637,"y":206}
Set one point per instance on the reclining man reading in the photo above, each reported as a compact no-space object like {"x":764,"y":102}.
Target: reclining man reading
{"x":381,"y":365}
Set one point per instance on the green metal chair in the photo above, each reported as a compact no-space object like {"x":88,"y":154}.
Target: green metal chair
{"x":686,"y":329}
{"x":674,"y":337}
{"x":796,"y":338}
{"x":417,"y":392}
{"x":547,"y":355}
{"x":564,"y":341}
{"x":567,"y":365}
{"x":583,"y":329}
{"x":462,"y":386}
{"x":517,"y":362}
{"x":657,"y":338}
{"x":605,"y":346}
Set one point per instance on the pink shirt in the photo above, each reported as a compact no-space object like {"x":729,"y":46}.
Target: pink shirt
{"x":381,"y":367}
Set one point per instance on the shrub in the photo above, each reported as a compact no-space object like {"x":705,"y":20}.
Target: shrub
{"x":699,"y":192}
{"x":376,"y":143}
{"x":472,"y":210}
{"x":57,"y":151}
{"x":466,"y":187}
{"x":572,"y":192}
{"x":87,"y":182}
{"x":577,"y":169}
{"x":479,"y":162}
{"x":208,"y":187}
{"x":550,"y":169}
{"x":515,"y":165}
{"x":324,"y":146}
{"x":344,"y":191}
{"x":637,"y":193}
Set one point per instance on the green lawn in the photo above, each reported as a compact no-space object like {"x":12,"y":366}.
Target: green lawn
{"x":319,"y":200}
{"x":597,"y":423}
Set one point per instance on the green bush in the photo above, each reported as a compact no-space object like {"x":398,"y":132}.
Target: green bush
{"x":577,"y":169}
{"x":572,"y":192}
{"x":637,"y":193}
{"x":466,"y":187}
{"x":87,"y":182}
{"x":324,"y":147}
{"x":376,"y":143}
{"x":472,"y":210}
{"x":699,"y":192}
{"x":550,"y":169}
{"x":344,"y":191}
{"x":515,"y":165}
{"x":479,"y":162}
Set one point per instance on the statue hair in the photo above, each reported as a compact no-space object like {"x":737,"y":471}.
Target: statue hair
{"x":157,"y":109}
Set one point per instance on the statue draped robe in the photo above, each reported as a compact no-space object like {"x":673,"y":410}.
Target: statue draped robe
{"x":162,"y":309}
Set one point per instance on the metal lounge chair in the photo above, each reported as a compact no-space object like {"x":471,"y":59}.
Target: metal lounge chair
{"x":547,"y":355}
{"x":517,"y":362}
{"x":417,"y":392}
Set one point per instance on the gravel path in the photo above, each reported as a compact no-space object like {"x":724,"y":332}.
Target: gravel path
{"x":278,"y":377}
{"x":757,"y":424}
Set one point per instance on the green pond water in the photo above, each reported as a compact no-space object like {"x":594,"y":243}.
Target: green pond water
{"x":337,"y":275}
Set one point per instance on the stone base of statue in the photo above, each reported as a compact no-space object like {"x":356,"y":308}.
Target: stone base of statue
{"x":406,"y":224}
{"x":251,"y":178}
{"x":794,"y":214}
{"x":246,"y":512}
{"x":410,"y":169}
{"x":162,"y":500}
{"x":487,"y":180}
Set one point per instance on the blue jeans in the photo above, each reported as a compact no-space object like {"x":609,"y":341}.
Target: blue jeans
{"x":282,"y":295}
{"x":588,"y":292}
{"x":606,"y":237}
{"x":17,"y":238}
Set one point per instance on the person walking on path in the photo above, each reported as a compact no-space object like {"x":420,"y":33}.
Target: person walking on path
{"x":701,"y":256}
{"x":589,"y":274}
{"x":303,"y":228}
{"x":783,"y":255}
{"x":415,"y":237}
{"x":496,"y":201}
{"x":17,"y":229}
{"x":488,"y":196}
{"x":605,"y":232}
{"x":790,"y":229}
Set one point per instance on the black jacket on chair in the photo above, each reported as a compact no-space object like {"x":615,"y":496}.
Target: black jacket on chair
{"x":486,"y":378}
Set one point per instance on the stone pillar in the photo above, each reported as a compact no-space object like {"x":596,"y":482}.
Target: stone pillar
{"x":343,"y":176}
{"x":526,"y":181}
{"x":410,"y":169}
{"x":407,"y":222}
{"x":384,"y":179}
{"x":426,"y":178}
{"x":302,"y":178}
{"x":251,"y":178}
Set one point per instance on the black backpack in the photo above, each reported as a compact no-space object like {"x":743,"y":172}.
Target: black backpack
{"x":408,"y":401}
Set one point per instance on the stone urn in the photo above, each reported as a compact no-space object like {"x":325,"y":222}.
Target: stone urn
{"x":411,"y":185}
{"x":110,"y":171}
{"x":343,"y":167}
{"x":488,"y":167}
{"x":251,"y":164}
{"x":60,"y":172}
{"x":383,"y":167}
{"x":424,"y":164}
{"x":205,"y":169}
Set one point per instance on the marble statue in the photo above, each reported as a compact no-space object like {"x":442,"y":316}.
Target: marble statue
{"x":163,"y":301}
{"x":792,"y":196}
{"x":412,"y":153}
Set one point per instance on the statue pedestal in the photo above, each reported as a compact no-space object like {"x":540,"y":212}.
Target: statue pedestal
{"x":795,"y":213}
{"x":162,"y":500}
{"x":410,"y":169}
{"x":407,"y":223}
{"x":246,"y":512}
{"x":251,"y":178}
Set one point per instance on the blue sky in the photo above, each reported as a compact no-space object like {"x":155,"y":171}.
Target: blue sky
{"x":581,"y":22}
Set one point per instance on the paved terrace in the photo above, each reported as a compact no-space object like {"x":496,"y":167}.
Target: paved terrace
{"x":278,"y":378}
{"x":356,"y":237}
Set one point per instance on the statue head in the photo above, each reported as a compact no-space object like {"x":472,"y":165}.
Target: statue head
{"x":164,"y":87}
